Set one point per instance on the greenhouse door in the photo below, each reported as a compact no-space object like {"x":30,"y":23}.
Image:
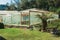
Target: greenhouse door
{"x":25,"y":19}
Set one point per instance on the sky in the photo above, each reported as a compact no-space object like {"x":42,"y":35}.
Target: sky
{"x":4,"y":1}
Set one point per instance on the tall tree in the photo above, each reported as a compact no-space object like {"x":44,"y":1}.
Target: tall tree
{"x":21,"y":4}
{"x":11,"y":6}
{"x":50,"y":5}
{"x":18,"y":4}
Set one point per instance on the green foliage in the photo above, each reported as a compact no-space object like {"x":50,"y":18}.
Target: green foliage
{"x":50,"y":5}
{"x":44,"y":17}
{"x":54,"y":24}
{"x":58,"y":10}
{"x":52,"y":9}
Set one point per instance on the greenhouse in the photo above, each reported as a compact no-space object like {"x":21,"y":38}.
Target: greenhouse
{"x":25,"y":17}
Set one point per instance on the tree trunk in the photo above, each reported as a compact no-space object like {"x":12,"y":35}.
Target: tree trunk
{"x":59,"y":15}
{"x":44,"y":22}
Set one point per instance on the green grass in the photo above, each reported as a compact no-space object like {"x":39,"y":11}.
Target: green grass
{"x":24,"y":34}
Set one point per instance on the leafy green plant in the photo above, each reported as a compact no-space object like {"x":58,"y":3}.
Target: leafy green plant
{"x":44,"y":17}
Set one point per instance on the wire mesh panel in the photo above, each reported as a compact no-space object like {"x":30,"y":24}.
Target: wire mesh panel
{"x":2,"y":17}
{"x":33,"y":18}
{"x":15,"y":19}
{"x":10,"y":17}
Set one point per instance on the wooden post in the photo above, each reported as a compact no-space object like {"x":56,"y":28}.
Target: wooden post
{"x":21,"y":18}
{"x":29,"y":18}
{"x":1,"y":19}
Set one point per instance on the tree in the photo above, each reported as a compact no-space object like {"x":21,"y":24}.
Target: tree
{"x":11,"y":6}
{"x":21,"y":4}
{"x":44,"y":17}
{"x":50,"y":5}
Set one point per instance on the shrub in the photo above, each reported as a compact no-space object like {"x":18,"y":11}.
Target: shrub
{"x":1,"y":26}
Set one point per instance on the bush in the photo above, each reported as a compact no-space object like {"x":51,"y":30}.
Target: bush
{"x":1,"y":26}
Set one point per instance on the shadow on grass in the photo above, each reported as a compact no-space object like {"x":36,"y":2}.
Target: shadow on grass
{"x":1,"y":38}
{"x":56,"y":33}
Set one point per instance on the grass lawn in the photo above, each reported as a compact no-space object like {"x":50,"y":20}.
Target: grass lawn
{"x":24,"y":34}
